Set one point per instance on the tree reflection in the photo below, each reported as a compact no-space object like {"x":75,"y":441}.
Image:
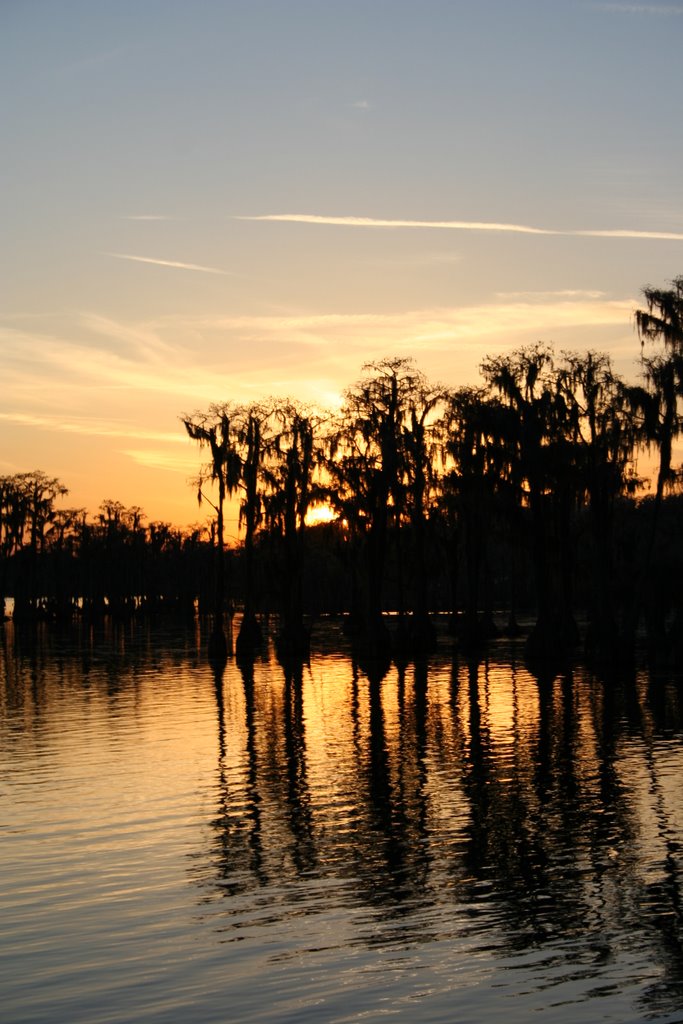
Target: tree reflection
{"x":252,"y":795}
{"x":380,"y":859}
{"x":298,"y":794}
{"x":527,"y":814}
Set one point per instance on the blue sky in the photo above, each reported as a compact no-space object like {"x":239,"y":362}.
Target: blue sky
{"x":225,"y":200}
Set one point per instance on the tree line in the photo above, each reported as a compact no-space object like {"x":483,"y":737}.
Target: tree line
{"x":58,"y":563}
{"x":520,"y":492}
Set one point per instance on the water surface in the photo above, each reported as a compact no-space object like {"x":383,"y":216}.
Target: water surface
{"x":454,"y":842}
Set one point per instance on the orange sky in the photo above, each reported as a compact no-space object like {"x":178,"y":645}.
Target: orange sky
{"x":239,"y":201}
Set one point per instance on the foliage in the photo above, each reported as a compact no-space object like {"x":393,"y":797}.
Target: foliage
{"x":525,"y":475}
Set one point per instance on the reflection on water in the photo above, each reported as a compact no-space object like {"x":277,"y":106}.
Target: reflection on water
{"x":453,"y":841}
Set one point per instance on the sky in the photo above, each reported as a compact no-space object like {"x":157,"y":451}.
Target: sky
{"x":226,"y":200}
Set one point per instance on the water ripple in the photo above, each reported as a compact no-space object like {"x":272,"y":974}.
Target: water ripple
{"x":467,"y":845}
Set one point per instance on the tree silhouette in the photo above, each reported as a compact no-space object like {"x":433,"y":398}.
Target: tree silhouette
{"x":662,"y":321}
{"x":34,"y":511}
{"x":292,"y":459}
{"x":254,"y":440}
{"x":547,"y":426}
{"x":659,"y":403}
{"x":605,"y":433}
{"x":365,"y":468}
{"x":421,"y":441}
{"x":12,"y":522}
{"x":216,"y":430}
{"x":64,"y":582}
{"x":478,"y":442}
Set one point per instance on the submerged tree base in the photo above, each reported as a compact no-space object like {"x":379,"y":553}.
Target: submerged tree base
{"x":552,"y":642}
{"x":372,"y":647}
{"x":474,"y":632}
{"x":250,"y":636}
{"x":218,"y":645}
{"x":293,"y":642}
{"x":415,"y":636}
{"x":606,"y":647}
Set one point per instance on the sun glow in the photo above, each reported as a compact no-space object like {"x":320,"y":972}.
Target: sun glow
{"x":320,"y":514}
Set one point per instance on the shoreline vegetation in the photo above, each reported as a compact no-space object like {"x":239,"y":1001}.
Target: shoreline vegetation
{"x":519,"y":493}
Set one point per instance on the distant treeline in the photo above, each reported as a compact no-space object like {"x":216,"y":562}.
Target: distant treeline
{"x":519,"y":493}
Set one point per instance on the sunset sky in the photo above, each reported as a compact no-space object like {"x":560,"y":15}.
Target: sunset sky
{"x":227,"y":200}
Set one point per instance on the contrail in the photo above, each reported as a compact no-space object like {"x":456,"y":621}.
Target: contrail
{"x":465,"y":225}
{"x":169,"y":263}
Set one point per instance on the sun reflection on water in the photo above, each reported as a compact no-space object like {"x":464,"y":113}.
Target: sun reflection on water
{"x":446,"y":836}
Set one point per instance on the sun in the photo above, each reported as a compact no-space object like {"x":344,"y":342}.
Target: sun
{"x":320,"y":514}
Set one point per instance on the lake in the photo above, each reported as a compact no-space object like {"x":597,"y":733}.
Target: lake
{"x":456,"y":842}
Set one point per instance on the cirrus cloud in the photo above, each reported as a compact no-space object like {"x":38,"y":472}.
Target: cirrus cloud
{"x":463,"y":225}
{"x":658,"y":9}
{"x":174,"y":264}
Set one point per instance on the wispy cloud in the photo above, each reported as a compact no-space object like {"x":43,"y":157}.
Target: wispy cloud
{"x":134,"y":341}
{"x":565,"y":293}
{"x":154,"y":458}
{"x":147,"y":216}
{"x":665,"y":236}
{"x":174,"y":264}
{"x":464,"y":225}
{"x":361,"y":105}
{"x":444,"y":329}
{"x":49,"y":373}
{"x":90,"y":426}
{"x":132,"y":334}
{"x":182,"y":361}
{"x":659,"y":9}
{"x":374,"y":222}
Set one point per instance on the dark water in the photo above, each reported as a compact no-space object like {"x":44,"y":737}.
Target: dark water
{"x":458,"y":843}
